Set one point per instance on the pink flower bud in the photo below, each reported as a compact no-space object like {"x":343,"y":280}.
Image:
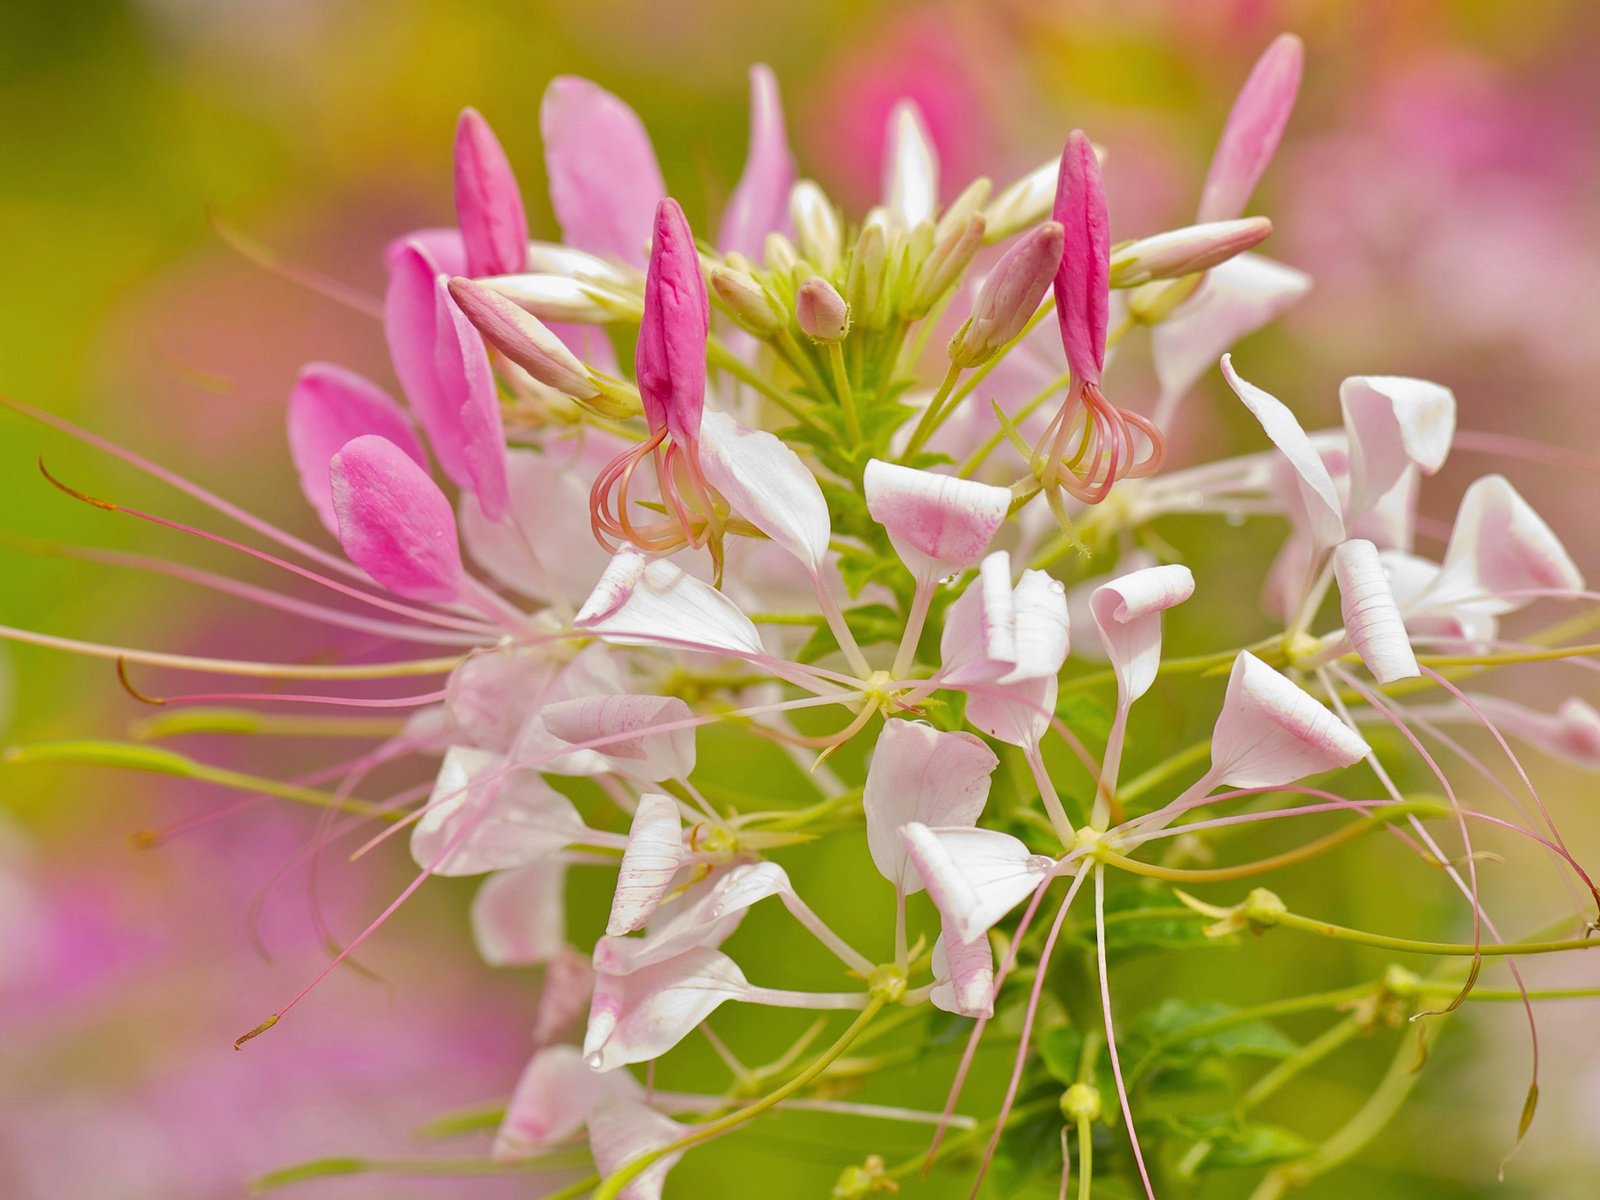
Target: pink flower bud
{"x":524,"y":339}
{"x":1186,"y":251}
{"x":670,"y":357}
{"x":1082,"y":283}
{"x":488,"y":204}
{"x":820,"y":311}
{"x":1009,"y":296}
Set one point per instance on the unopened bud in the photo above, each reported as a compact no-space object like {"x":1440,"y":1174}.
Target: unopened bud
{"x":821,"y":311}
{"x":779,"y":254}
{"x":1081,"y":1101}
{"x":1027,"y":201}
{"x":752,"y":307}
{"x":943,"y":267}
{"x":868,"y":269}
{"x":1153,"y":303}
{"x":816,"y":225}
{"x":963,"y":208}
{"x":1185,"y":251}
{"x":523,"y":338}
{"x":1010,"y":295}
{"x":560,"y":298}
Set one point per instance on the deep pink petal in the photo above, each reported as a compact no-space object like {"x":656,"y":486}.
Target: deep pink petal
{"x":1254,"y":126}
{"x":329,"y":407}
{"x":470,"y":438}
{"x":488,"y":203}
{"x":670,"y":358}
{"x":394,"y":522}
{"x":1083,"y":281}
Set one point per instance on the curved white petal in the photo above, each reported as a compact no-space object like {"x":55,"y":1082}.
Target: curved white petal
{"x":628,"y":726}
{"x":621,"y":1128}
{"x":973,"y":876}
{"x":652,"y":602}
{"x":1127,"y":611}
{"x":910,"y":166}
{"x":923,"y":774}
{"x":1393,"y":423}
{"x":519,"y":917}
{"x":653,"y":855}
{"x":552,"y":1101}
{"x":965,"y":976}
{"x":766,"y":483}
{"x":1371,"y":617}
{"x":641,"y":1015}
{"x":1499,"y":545}
{"x":1272,"y":732}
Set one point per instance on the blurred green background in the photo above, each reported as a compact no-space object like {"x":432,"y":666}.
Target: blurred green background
{"x":1439,"y":180}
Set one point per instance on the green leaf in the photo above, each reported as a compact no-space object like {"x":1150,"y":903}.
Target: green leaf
{"x":1231,"y":1142}
{"x":1085,"y":716}
{"x":1186,"y":1031}
{"x":1060,"y":1050}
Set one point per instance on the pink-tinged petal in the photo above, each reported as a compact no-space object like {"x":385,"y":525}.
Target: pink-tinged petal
{"x":519,"y":917}
{"x":1083,"y":281}
{"x":411,"y":327}
{"x":910,"y":166}
{"x":1127,"y":611}
{"x":973,"y":876}
{"x":1571,"y":733}
{"x":469,"y":437}
{"x":1500,"y":545}
{"x":1080,"y":609}
{"x":604,"y":179}
{"x":655,"y":852}
{"x":543,"y":548}
{"x":965,"y":975}
{"x":704,"y":915}
{"x":939,"y":524}
{"x":1433,"y":605}
{"x":494,"y":227}
{"x":1271,"y":732}
{"x":394,"y":522}
{"x":670,"y":356}
{"x":652,"y":602}
{"x":1186,"y":251}
{"x":330,"y":407}
{"x":564,"y":996}
{"x":1254,"y":126}
{"x":922,"y":774}
{"x":489,"y":696}
{"x":442,"y":245}
{"x":628,"y":724}
{"x":760,"y":203}
{"x":1393,"y":423}
{"x":644,"y":1013}
{"x":622,"y":1128}
{"x":766,"y":483}
{"x":1238,"y":298}
{"x":552,"y":1101}
{"x":1015,"y":713}
{"x":1371,"y":618}
{"x":996,"y":633}
{"x":1323,"y":507}
{"x":486,"y":815}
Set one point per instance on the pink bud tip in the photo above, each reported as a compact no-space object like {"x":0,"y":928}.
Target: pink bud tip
{"x":488,"y":203}
{"x":1083,"y":281}
{"x":670,"y":358}
{"x":1254,"y":127}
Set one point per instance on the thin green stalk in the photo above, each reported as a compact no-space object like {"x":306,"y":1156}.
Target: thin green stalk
{"x":1411,"y":946}
{"x":933,"y":415}
{"x":842,"y":391}
{"x":1309,"y":1055}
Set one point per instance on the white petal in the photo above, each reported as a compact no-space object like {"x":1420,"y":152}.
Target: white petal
{"x":622,"y":1128}
{"x":641,"y":1015}
{"x":1393,"y":423}
{"x":652,"y":602}
{"x":974,"y":876}
{"x":653,"y":855}
{"x":1015,"y":713}
{"x":1237,"y":298}
{"x":1272,"y":732}
{"x":1127,"y":611}
{"x":552,"y":1101}
{"x":1323,"y":507}
{"x":766,"y":483}
{"x":965,"y":974}
{"x":519,"y":917}
{"x":625,"y":727}
{"x":923,"y":774}
{"x":1500,"y":545}
{"x":486,"y":815}
{"x":1371,"y":617}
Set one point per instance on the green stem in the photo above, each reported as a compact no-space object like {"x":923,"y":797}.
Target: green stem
{"x":1410,"y":946}
{"x":841,"y":389}
{"x":932,"y":416}
{"x":1309,"y":1055}
{"x":725,"y":359}
{"x":611,"y":1187}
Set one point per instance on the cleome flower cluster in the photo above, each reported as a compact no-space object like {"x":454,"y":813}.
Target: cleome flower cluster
{"x":820,"y":483}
